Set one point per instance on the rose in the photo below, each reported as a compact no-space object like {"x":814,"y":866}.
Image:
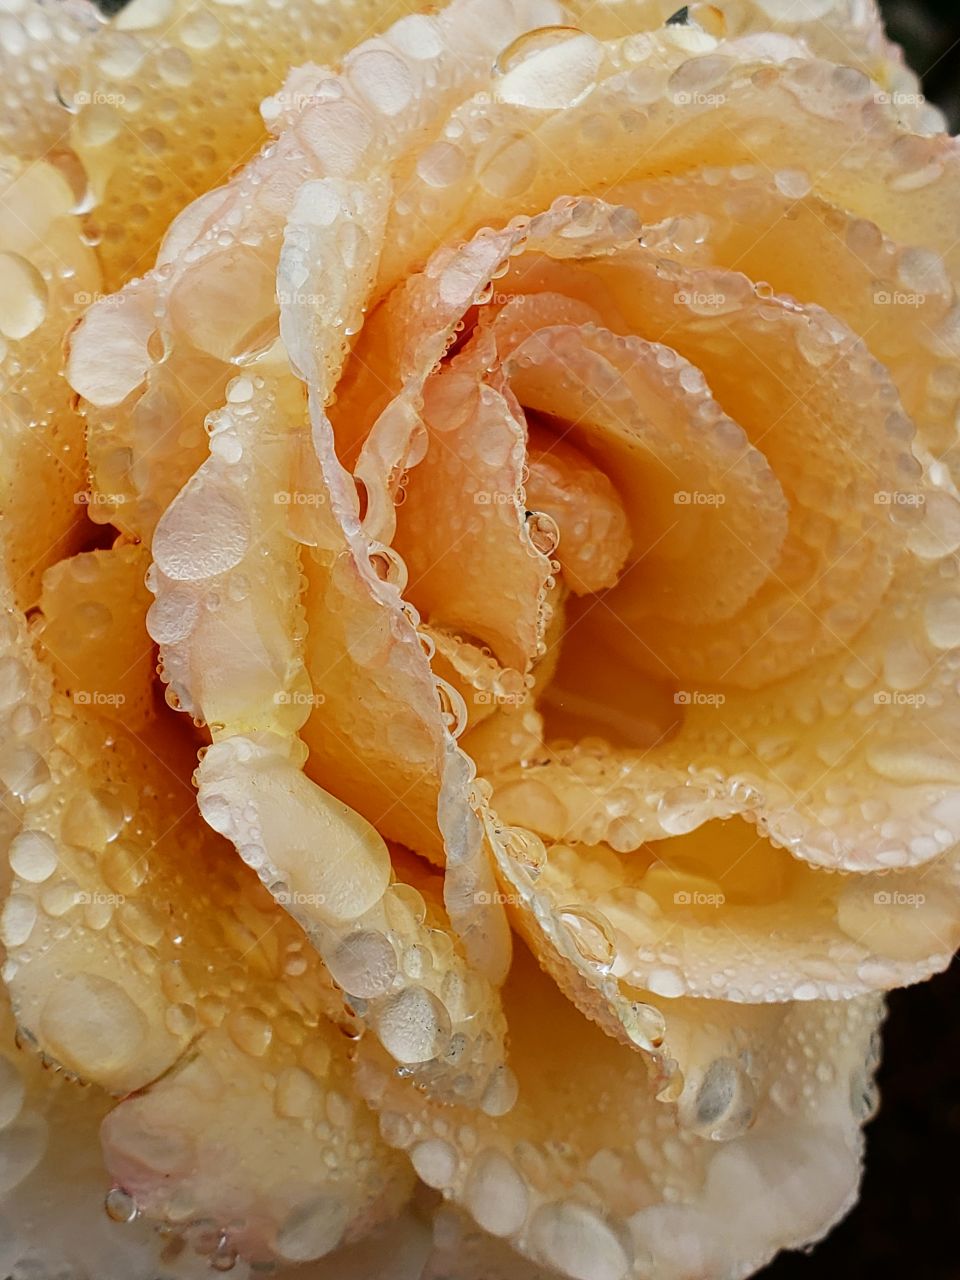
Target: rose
{"x":405,"y":658}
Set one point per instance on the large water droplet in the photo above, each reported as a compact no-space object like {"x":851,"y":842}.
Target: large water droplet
{"x":592,"y":934}
{"x":23,"y":296}
{"x":548,"y":68}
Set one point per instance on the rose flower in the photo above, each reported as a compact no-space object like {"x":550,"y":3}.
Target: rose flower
{"x":480,"y":636}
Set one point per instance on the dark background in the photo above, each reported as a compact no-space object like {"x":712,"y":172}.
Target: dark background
{"x":907,"y":1223}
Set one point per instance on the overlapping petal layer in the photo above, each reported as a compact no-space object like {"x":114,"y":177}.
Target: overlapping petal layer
{"x":519,"y":452}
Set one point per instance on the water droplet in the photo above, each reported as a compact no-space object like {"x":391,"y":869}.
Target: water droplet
{"x":364,"y":964}
{"x":414,"y":1026}
{"x":224,"y":1257}
{"x":33,"y":856}
{"x":496,"y":1194}
{"x":592,"y":934}
{"x":501,"y":1093}
{"x":543,"y":531}
{"x":120,"y":1205}
{"x":91,"y":1025}
{"x":576,"y":1241}
{"x":250,"y":1031}
{"x":548,"y":68}
{"x":725,"y":1102}
{"x":435,"y":1162}
{"x":526,"y":848}
{"x":23,"y":296}
{"x":452,"y":708}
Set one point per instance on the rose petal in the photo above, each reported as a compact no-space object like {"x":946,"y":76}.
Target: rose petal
{"x":47,"y":275}
{"x":769,"y":227}
{"x":633,"y":1188}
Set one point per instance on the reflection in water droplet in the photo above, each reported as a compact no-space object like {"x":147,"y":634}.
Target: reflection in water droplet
{"x":452,"y":708}
{"x":120,"y":1205}
{"x":543,"y":531}
{"x":725,"y":1102}
{"x":592,"y":934}
{"x":526,"y":848}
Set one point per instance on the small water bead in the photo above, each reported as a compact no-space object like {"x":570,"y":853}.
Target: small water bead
{"x":313,"y":1229}
{"x":864,"y":1096}
{"x":725,"y":1103}
{"x":502,"y":1091}
{"x":591,"y":933}
{"x":441,"y":165}
{"x":91,"y":1025}
{"x":92,"y":819}
{"x":33,"y":856}
{"x":364,"y":964}
{"x":17,"y":920}
{"x":496,"y":1193}
{"x":452,"y":708}
{"x":224,"y":1257}
{"x":644,"y":1024}
{"x":413,"y":1026}
{"x":203,"y":533}
{"x":435,"y":1162}
{"x":576,"y":1241}
{"x":250,"y":1031}
{"x":525,"y":848}
{"x":23,"y":297}
{"x":388,"y":566}
{"x":120,"y":1206}
{"x":506,"y":165}
{"x":543,"y":532}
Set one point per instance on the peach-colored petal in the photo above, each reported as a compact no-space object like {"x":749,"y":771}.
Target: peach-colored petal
{"x":230,"y":623}
{"x":42,"y":42}
{"x":772,"y":228}
{"x":47,"y":275}
{"x":654,"y":108}
{"x":585,"y":1173}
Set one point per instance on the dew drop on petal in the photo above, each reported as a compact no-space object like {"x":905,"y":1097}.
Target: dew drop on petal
{"x":496,"y":1194}
{"x":725,"y":1102}
{"x":414,"y":1026}
{"x":33,"y":856}
{"x":548,"y":68}
{"x":23,"y":296}
{"x":591,"y":933}
{"x":120,"y":1205}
